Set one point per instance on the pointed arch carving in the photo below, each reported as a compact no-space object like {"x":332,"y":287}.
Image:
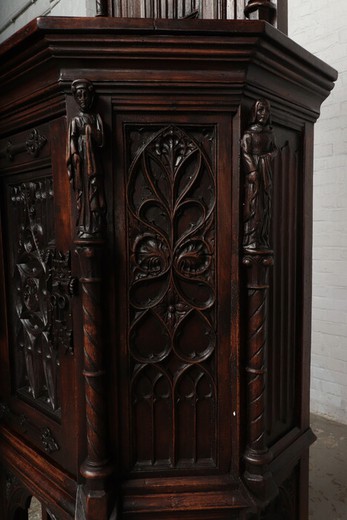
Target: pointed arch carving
{"x":171,"y":199}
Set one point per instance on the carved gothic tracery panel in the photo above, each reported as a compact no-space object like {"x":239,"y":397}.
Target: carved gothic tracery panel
{"x":42,"y":291}
{"x":171,"y":227}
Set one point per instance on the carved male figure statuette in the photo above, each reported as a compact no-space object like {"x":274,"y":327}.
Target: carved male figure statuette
{"x":258,"y":150}
{"x":86,"y":136}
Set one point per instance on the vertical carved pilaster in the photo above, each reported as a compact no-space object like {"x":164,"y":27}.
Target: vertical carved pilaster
{"x":90,"y":257}
{"x":266,"y":10}
{"x":85,"y":173}
{"x":257,"y":455}
{"x":258,"y":150}
{"x":92,"y":500}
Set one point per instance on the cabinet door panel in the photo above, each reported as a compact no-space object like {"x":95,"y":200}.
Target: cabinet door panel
{"x":38,"y":349}
{"x":173,"y":251}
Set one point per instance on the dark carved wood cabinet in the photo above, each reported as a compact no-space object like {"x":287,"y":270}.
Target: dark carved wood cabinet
{"x":156,"y":185}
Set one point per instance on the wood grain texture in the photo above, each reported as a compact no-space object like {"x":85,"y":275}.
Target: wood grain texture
{"x":185,"y":389}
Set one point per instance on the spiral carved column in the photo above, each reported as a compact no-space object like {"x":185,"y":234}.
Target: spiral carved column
{"x":257,"y":287}
{"x":96,"y":463}
{"x":96,"y":468}
{"x":257,"y":455}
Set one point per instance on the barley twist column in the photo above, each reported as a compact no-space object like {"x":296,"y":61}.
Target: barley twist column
{"x":96,"y":464}
{"x":257,"y":455}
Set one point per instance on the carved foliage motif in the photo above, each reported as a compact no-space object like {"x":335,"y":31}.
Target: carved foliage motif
{"x":43,"y":287}
{"x":35,"y":143}
{"x":48,"y":441}
{"x":41,"y":433}
{"x":33,"y":146}
{"x":171,"y":221}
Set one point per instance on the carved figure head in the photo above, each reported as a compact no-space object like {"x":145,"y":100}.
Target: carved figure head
{"x":261,"y":112}
{"x":83,"y":92}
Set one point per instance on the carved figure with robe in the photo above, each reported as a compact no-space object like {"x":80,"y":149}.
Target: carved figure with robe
{"x":258,"y":151}
{"x":86,"y":136}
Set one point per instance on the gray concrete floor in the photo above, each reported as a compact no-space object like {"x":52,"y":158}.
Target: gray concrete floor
{"x":328,"y":470}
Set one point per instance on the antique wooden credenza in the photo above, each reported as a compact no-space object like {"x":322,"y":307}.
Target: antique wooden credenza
{"x":156,"y":198}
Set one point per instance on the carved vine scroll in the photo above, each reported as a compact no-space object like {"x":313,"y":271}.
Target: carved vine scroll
{"x":43,"y":289}
{"x":258,"y":150}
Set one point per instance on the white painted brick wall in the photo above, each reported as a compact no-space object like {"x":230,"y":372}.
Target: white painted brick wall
{"x":14,"y":14}
{"x":321,"y":27}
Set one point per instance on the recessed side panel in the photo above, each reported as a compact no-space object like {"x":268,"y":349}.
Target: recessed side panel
{"x":285,"y":294}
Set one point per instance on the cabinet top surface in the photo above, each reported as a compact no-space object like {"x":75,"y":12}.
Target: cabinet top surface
{"x":73,"y":28}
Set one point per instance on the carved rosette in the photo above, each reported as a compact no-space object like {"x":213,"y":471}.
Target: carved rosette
{"x":35,"y":143}
{"x":32,"y":146}
{"x":48,"y":441}
{"x":172,"y":339}
{"x":258,"y":149}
